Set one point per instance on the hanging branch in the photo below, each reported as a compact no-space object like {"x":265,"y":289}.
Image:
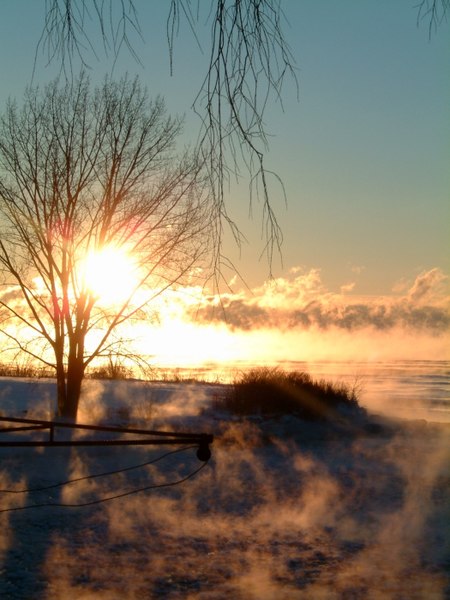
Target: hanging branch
{"x":433,"y":11}
{"x":248,"y":64}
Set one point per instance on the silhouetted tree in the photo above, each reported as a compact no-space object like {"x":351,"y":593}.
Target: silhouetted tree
{"x":82,"y":172}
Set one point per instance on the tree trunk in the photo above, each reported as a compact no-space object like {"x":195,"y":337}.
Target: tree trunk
{"x":69,"y":389}
{"x":60,"y":378}
{"x":75,"y":375}
{"x":61,"y":390}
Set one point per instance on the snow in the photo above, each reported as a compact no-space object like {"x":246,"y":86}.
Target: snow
{"x":283,"y":510}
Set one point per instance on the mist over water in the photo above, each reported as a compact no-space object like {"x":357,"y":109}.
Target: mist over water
{"x":404,"y":389}
{"x":412,"y":389}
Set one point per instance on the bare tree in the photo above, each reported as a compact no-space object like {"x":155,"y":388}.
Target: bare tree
{"x":249,"y":60}
{"x":83,"y":172}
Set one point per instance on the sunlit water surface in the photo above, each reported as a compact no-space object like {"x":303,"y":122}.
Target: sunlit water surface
{"x":403,"y":388}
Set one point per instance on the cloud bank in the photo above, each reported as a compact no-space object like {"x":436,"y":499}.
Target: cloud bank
{"x":302,"y":302}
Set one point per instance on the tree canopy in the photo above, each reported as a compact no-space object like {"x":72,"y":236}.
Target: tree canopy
{"x":88,"y":178}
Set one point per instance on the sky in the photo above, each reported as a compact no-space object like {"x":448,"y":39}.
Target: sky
{"x":363,"y":152}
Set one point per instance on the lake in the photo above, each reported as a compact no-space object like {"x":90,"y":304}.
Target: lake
{"x":418,"y":389}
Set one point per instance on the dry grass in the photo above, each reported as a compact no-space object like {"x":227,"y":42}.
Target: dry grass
{"x":273,"y":391}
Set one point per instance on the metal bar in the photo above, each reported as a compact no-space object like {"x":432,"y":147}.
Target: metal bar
{"x":30,"y":428}
{"x":42,"y":444}
{"x":203,"y":440}
{"x":51,"y":424}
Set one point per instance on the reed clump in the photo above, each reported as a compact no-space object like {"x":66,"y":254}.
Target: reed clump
{"x":273,"y":391}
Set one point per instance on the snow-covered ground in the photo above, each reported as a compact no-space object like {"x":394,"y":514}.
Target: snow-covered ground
{"x":283,"y":510}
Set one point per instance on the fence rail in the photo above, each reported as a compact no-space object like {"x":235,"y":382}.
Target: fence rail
{"x":145,"y":437}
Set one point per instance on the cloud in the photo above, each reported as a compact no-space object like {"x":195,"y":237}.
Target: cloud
{"x":302,"y":288}
{"x":347,"y":287}
{"x":427,"y":285}
{"x":303,"y":302}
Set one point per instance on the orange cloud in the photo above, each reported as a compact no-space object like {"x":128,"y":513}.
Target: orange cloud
{"x":302,"y":302}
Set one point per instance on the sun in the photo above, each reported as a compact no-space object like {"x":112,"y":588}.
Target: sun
{"x":111,"y":275}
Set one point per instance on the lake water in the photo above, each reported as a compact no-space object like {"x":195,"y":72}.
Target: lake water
{"x":407,"y":389}
{"x":412,"y":389}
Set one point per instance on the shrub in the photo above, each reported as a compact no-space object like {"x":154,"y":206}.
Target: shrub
{"x":27,"y":370}
{"x":110,"y":371}
{"x":272,"y":391}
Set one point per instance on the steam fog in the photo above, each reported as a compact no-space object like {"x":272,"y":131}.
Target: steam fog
{"x":285,"y":509}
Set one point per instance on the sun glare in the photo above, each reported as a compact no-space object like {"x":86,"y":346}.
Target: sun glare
{"x":111,"y":275}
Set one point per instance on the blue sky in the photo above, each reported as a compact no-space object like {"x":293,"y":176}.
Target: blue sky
{"x":364,"y":152}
